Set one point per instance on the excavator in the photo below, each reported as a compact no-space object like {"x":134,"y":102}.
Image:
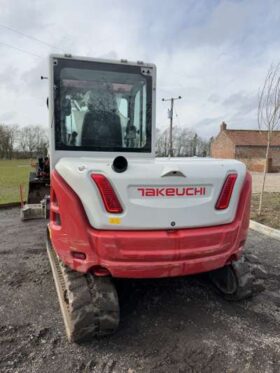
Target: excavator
{"x":118,"y":211}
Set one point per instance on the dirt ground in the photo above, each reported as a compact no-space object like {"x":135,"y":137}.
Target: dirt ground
{"x":270,"y":211}
{"x":168,"y":325}
{"x":272,"y":183}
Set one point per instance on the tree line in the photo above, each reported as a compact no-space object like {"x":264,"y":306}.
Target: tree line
{"x":23,"y":142}
{"x":32,"y":141}
{"x":186,"y":143}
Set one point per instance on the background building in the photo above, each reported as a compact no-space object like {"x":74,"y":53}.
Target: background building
{"x":248,"y":146}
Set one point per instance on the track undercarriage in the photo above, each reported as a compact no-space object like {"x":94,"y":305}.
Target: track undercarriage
{"x":89,"y":304}
{"x":235,"y":281}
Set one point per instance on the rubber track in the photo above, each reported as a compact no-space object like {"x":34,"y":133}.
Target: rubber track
{"x":244,"y":280}
{"x":89,"y":304}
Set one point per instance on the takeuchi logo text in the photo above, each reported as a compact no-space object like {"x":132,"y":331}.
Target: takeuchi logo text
{"x":172,"y":192}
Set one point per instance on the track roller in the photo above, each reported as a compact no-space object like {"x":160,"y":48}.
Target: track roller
{"x":234,"y":282}
{"x":89,"y":304}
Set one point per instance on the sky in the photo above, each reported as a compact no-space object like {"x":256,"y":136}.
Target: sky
{"x":215,"y":54}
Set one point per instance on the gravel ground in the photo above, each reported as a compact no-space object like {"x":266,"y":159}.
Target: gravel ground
{"x":167,"y":325}
{"x":272,"y":183}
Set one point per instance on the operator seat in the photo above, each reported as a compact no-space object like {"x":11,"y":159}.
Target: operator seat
{"x":101,"y":125}
{"x":101,"y":129}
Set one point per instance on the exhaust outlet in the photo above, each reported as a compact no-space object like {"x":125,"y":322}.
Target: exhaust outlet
{"x":119,"y":164}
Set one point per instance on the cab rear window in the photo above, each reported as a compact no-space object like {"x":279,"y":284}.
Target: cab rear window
{"x":101,"y":107}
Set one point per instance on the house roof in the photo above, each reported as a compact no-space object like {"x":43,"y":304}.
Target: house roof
{"x":252,"y":137}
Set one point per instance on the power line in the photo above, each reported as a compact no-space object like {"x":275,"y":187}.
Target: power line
{"x":27,"y":36}
{"x":20,"y":50}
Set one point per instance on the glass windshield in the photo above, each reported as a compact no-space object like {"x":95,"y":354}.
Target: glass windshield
{"x":102,"y":109}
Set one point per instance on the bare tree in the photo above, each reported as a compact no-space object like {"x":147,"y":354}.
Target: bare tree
{"x":8,"y":137}
{"x":183,"y":142}
{"x":186,"y":143}
{"x":162,"y":144}
{"x":33,"y":140}
{"x":269,"y":114}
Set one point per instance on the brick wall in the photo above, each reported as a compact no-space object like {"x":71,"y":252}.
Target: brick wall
{"x":275,"y":156}
{"x":252,"y":155}
{"x":255,"y":157}
{"x":222,"y":147}
{"x":257,"y":164}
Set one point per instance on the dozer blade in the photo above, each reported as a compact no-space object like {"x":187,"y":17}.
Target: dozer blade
{"x":33,"y":211}
{"x":38,"y":188}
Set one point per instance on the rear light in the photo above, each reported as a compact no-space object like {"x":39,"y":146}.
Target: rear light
{"x":108,"y":195}
{"x":226,"y":192}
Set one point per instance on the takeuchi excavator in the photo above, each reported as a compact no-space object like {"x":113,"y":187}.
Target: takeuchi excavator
{"x":117,"y":211}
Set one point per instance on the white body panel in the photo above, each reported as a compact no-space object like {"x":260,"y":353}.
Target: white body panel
{"x":155,"y":212}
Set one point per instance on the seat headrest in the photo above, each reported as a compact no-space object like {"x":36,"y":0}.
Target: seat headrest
{"x":101,"y":97}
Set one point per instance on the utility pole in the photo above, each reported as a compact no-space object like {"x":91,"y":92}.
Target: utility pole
{"x":171,"y":99}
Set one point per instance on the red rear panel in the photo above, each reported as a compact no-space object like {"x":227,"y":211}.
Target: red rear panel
{"x":143,"y":254}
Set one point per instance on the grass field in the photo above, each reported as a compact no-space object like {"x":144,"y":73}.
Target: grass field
{"x":271,"y":209}
{"x":12,"y":174}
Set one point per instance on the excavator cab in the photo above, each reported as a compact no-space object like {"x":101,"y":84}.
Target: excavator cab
{"x":100,"y":106}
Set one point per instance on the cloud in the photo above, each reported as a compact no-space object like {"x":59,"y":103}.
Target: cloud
{"x":214,"y":53}
{"x":27,"y":16}
{"x":7,"y":116}
{"x":208,"y":127}
{"x":9,"y":78}
{"x":243,"y":103}
{"x":214,"y":98}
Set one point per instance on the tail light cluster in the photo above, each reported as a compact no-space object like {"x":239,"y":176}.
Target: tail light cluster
{"x":108,"y":195}
{"x":113,"y":206}
{"x":226,"y":192}
{"x":54,"y":209}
